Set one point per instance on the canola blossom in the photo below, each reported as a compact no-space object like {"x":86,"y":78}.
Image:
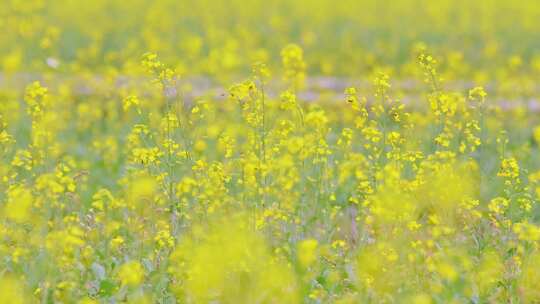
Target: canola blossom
{"x":269,"y":152}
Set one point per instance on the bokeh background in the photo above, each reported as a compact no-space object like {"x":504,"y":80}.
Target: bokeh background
{"x":207,"y":37}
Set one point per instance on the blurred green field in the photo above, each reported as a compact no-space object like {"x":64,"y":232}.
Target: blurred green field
{"x":205,"y":37}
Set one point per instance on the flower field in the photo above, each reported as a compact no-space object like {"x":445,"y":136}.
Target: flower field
{"x":269,"y":151}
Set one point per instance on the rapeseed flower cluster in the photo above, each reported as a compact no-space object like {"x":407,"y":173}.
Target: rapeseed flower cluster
{"x":226,"y":167}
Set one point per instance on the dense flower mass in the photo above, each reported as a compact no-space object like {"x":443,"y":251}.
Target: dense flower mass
{"x":285,"y":152}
